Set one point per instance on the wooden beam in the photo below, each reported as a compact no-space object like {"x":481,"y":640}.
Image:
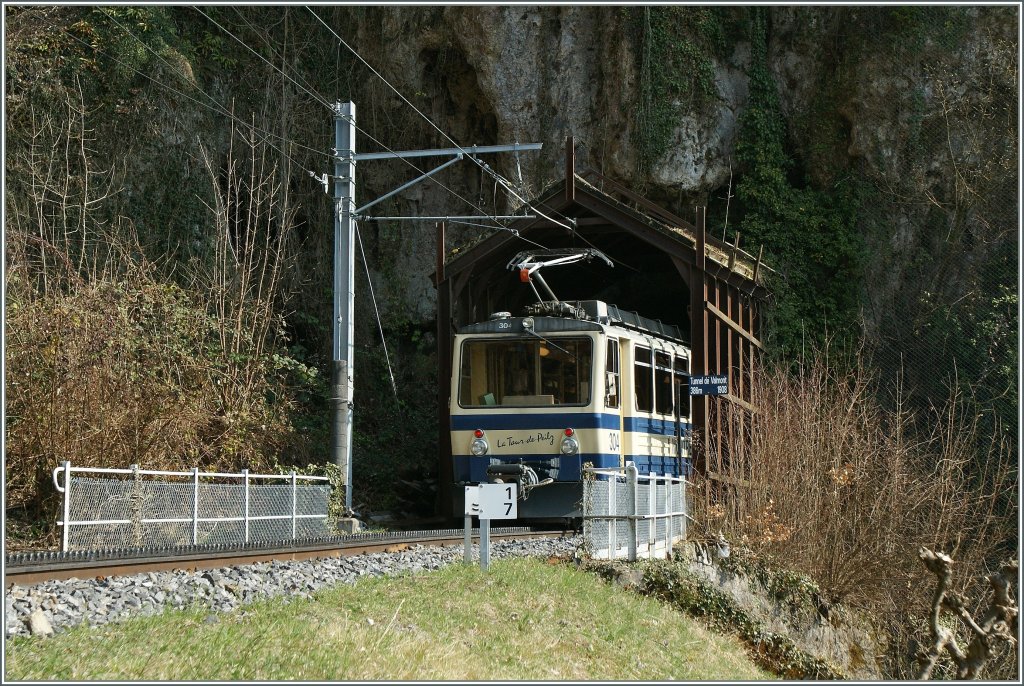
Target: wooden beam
{"x":596,"y":224}
{"x":741,"y":403}
{"x":733,"y":325}
{"x":716,"y":476}
{"x":445,"y":472}
{"x":657,"y":210}
{"x":699,"y":336}
{"x":570,"y":169}
{"x":439,"y":273}
{"x":732,"y":253}
{"x":498,"y":242}
{"x":670,"y":245}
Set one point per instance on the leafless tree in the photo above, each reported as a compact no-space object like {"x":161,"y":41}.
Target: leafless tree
{"x":998,"y":623}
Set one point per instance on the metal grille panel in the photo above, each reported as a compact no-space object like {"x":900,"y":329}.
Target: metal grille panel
{"x":618,"y":520}
{"x":138,"y":511}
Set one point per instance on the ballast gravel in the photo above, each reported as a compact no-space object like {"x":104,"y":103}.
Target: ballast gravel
{"x":100,"y":600}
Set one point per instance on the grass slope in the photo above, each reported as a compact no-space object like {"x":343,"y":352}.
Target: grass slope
{"x":523,"y":620}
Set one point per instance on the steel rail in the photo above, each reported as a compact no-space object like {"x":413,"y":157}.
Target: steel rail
{"x":34,"y":567}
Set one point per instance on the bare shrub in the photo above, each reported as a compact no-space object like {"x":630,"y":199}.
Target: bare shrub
{"x":112,"y":363}
{"x":847,"y":490}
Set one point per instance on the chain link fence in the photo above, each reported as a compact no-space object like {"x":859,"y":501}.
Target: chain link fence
{"x":133,"y":508}
{"x":628,"y":515}
{"x":942,"y":304}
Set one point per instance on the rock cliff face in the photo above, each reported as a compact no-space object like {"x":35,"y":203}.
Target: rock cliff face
{"x":917,"y":104}
{"x":882,"y":95}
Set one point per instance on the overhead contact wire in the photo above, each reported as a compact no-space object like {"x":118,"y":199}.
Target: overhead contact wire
{"x":215,"y":107}
{"x":498,"y":225}
{"x":376,"y":312}
{"x":321,"y":99}
{"x":501,"y":180}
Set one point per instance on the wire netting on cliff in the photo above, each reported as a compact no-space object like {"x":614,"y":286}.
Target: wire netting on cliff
{"x":942,"y":314}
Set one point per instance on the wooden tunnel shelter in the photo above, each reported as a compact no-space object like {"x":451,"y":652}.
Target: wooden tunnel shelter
{"x":666,"y":268}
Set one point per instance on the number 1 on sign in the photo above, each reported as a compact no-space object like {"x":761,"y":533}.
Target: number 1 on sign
{"x":498,"y":501}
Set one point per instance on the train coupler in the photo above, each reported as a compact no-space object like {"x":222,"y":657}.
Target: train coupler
{"x":524,"y":476}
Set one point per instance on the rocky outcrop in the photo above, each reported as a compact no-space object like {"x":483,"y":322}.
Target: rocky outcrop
{"x":830,"y":632}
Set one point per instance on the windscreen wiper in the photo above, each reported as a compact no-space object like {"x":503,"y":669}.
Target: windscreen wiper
{"x":528,"y":327}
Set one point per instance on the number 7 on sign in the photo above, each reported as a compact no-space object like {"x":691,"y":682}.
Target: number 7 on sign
{"x":498,"y":501}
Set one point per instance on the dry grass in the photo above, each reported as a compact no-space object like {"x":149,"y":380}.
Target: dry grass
{"x":847,"y":491}
{"x":111,"y":360}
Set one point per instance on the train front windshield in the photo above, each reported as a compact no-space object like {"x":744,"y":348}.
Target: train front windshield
{"x":526,"y":372}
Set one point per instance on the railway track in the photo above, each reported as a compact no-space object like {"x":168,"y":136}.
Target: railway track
{"x":25,"y":569}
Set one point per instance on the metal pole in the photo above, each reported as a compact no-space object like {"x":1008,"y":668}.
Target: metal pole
{"x":295,"y":503}
{"x":344,"y":291}
{"x":195,"y":506}
{"x":485,"y":543}
{"x":67,"y":505}
{"x":245,"y":481}
{"x":467,"y":541}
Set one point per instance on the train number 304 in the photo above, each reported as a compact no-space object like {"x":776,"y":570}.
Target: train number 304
{"x":613,"y":442}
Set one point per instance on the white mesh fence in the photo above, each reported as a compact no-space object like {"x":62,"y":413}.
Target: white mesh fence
{"x":133,"y":508}
{"x":621,"y":518}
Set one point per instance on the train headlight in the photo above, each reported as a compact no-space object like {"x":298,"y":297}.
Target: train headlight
{"x":570,"y":446}
{"x":479,"y":446}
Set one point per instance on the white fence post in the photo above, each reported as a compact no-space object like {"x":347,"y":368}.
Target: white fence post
{"x":295,"y":503}
{"x":67,"y":505}
{"x":195,"y":506}
{"x":669,"y":510}
{"x":652,"y":510}
{"x":631,"y":481}
{"x":612,"y":524}
{"x":683,"y":524}
{"x":245,"y":478}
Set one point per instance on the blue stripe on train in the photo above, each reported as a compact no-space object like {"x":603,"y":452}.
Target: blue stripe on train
{"x":569,"y":468}
{"x":474,"y":469}
{"x":652,"y":425}
{"x":661,"y":465}
{"x":535,"y":420}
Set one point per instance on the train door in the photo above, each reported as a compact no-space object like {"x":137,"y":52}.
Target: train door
{"x":613,"y":399}
{"x":681,"y":383}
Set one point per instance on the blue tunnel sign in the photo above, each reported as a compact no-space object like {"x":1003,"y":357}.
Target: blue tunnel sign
{"x":709,"y":385}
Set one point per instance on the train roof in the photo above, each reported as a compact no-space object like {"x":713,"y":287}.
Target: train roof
{"x":587,"y":315}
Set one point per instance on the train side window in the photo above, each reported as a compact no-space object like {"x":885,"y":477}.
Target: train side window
{"x":643,"y":383}
{"x":663,"y":382}
{"x":682,"y":378}
{"x":611,"y":397}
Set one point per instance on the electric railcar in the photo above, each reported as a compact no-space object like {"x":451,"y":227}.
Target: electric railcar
{"x":536,"y":398}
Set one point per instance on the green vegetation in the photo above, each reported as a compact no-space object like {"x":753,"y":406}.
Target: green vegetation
{"x":675,"y":46}
{"x":671,"y":583}
{"x":523,"y":620}
{"x":782,"y":585}
{"x":810,"y":235}
{"x":127,"y":372}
